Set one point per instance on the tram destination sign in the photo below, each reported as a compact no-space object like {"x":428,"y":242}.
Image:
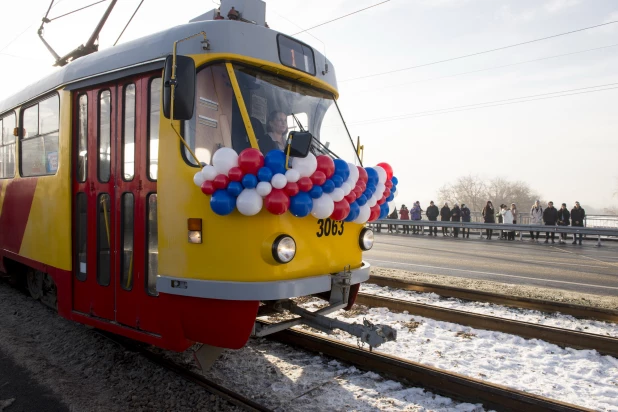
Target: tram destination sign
{"x":295,"y":54}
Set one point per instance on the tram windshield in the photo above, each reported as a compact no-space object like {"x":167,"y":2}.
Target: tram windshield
{"x":275,"y":106}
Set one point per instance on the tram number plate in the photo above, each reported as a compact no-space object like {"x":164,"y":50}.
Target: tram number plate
{"x":329,"y":227}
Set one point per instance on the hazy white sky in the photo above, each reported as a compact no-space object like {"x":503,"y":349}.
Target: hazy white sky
{"x":565,"y":148}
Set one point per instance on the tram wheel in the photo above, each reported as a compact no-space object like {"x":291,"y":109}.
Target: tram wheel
{"x":35,"y":284}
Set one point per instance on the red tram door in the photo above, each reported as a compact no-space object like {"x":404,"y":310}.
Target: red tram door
{"x":111,"y":190}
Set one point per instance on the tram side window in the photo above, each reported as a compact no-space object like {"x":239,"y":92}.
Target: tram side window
{"x":7,"y":147}
{"x":104,"y":144}
{"x":154,"y":110}
{"x":127,"y":263}
{"x":39,"y":144}
{"x":104,"y":240}
{"x":152,"y":252}
{"x":81,"y":225}
{"x":82,"y":120}
{"x":128,"y":136}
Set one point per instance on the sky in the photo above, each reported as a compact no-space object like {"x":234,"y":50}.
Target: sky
{"x":565,"y":147}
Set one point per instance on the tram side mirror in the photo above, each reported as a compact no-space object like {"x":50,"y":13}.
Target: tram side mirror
{"x":184,"y":90}
{"x":300,"y":143}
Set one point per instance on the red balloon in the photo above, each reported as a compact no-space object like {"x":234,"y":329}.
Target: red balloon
{"x":388,"y":184}
{"x":362,"y":174}
{"x":375,"y":213}
{"x":318,"y":178}
{"x":305,"y":184}
{"x":235,"y":174}
{"x":221,"y":182}
{"x":277,"y":202}
{"x":326,"y":166}
{"x":351,"y":197}
{"x":208,"y":187}
{"x":291,"y":189}
{"x":381,"y":201}
{"x":342,"y":210}
{"x":362,"y":185}
{"x":387,"y":192}
{"x":388,"y":169}
{"x":358,"y":191}
{"x":250,"y":160}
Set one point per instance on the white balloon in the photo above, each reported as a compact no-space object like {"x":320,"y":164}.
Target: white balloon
{"x":224,"y":159}
{"x":353,"y":174}
{"x":305,"y":166}
{"x":381,"y":174}
{"x":380,"y":188}
{"x":371,"y":202}
{"x":396,"y":194}
{"x":209,"y":172}
{"x":337,"y":194}
{"x":249,"y":202}
{"x":199,"y":178}
{"x":346,"y":188}
{"x":323,"y":207}
{"x":279,"y":181}
{"x":264,"y":189}
{"x":391,"y":207}
{"x":363,"y":216}
{"x":292,"y":175}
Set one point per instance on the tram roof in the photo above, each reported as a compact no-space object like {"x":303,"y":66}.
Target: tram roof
{"x":147,"y":53}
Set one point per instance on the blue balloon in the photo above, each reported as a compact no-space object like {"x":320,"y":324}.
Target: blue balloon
{"x":369,"y":191}
{"x":222,"y":203}
{"x":315,"y":192}
{"x":390,"y":197}
{"x":337,"y":180}
{"x":372,"y":176}
{"x":234,"y":188}
{"x":395,"y":181}
{"x":361,"y":200}
{"x":342,"y":169}
{"x":393,"y":189}
{"x":383,"y":210}
{"x":264,"y":174}
{"x":249,"y":181}
{"x":354,"y":212}
{"x":328,"y":186}
{"x":275,"y":161}
{"x":301,"y":204}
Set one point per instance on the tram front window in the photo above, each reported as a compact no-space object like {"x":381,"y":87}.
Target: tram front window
{"x":275,"y":107}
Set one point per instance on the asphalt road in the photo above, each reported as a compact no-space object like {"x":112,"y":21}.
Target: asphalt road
{"x":585,"y":268}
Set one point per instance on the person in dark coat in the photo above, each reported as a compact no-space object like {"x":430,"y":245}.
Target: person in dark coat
{"x":465,"y":217}
{"x":395,"y":217}
{"x":415,"y":214}
{"x":489,"y":217}
{"x":550,"y":217}
{"x":445,"y":216}
{"x":432,"y":214}
{"x":456,"y":217}
{"x":578,"y":214}
{"x":564,"y":219}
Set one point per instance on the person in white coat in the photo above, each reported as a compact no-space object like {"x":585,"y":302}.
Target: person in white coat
{"x":507,"y":219}
{"x":536,"y":218}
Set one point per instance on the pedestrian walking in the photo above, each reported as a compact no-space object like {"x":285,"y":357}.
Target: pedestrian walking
{"x":432,"y":214}
{"x":578,"y":214}
{"x":456,"y":217}
{"x":536,"y":218}
{"x":489,"y":217}
{"x":415,"y":213}
{"x":465,"y":217}
{"x":550,"y":216}
{"x":564,"y":219}
{"x":404,"y":214}
{"x":445,"y":216}
{"x":507,"y":219}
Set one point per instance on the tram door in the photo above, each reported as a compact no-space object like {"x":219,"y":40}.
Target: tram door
{"x":113,"y":183}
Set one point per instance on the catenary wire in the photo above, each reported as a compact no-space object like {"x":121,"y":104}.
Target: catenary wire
{"x":129,"y":22}
{"x":494,"y":103}
{"x":290,"y":21}
{"x":75,"y":11}
{"x":341,"y":17}
{"x":477,"y":53}
{"x":481,"y":70}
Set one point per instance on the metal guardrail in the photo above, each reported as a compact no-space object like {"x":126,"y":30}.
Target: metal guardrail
{"x":593,"y":231}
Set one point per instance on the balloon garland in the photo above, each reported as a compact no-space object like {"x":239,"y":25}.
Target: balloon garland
{"x":320,"y":186}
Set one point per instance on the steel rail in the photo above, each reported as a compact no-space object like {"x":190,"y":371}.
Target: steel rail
{"x":210,"y":386}
{"x":442,"y":382}
{"x":605,"y":345}
{"x":578,"y":311}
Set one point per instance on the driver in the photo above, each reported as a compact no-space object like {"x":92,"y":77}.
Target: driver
{"x":277,"y":127}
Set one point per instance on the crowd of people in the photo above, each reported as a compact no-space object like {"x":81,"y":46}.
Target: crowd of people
{"x":550,"y":216}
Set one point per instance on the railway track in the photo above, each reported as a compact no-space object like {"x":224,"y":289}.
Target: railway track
{"x":442,"y":382}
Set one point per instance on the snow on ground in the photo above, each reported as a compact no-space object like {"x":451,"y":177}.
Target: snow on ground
{"x":580,"y":377}
{"x":531,"y":316}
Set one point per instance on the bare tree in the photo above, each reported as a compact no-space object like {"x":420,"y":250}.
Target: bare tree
{"x":470,"y":190}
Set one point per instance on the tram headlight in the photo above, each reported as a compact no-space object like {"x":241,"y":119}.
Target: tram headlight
{"x":365,"y":240}
{"x":284,"y":249}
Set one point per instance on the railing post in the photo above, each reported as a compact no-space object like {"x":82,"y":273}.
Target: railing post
{"x":599,"y":241}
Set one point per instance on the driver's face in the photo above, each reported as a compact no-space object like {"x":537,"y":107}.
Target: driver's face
{"x":279,"y":124}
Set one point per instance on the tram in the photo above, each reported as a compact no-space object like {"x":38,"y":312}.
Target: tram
{"x":142,"y":192}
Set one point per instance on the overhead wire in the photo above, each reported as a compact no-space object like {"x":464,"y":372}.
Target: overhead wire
{"x":477,"y":53}
{"x":129,"y":22}
{"x":494,"y":103}
{"x":75,"y":11}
